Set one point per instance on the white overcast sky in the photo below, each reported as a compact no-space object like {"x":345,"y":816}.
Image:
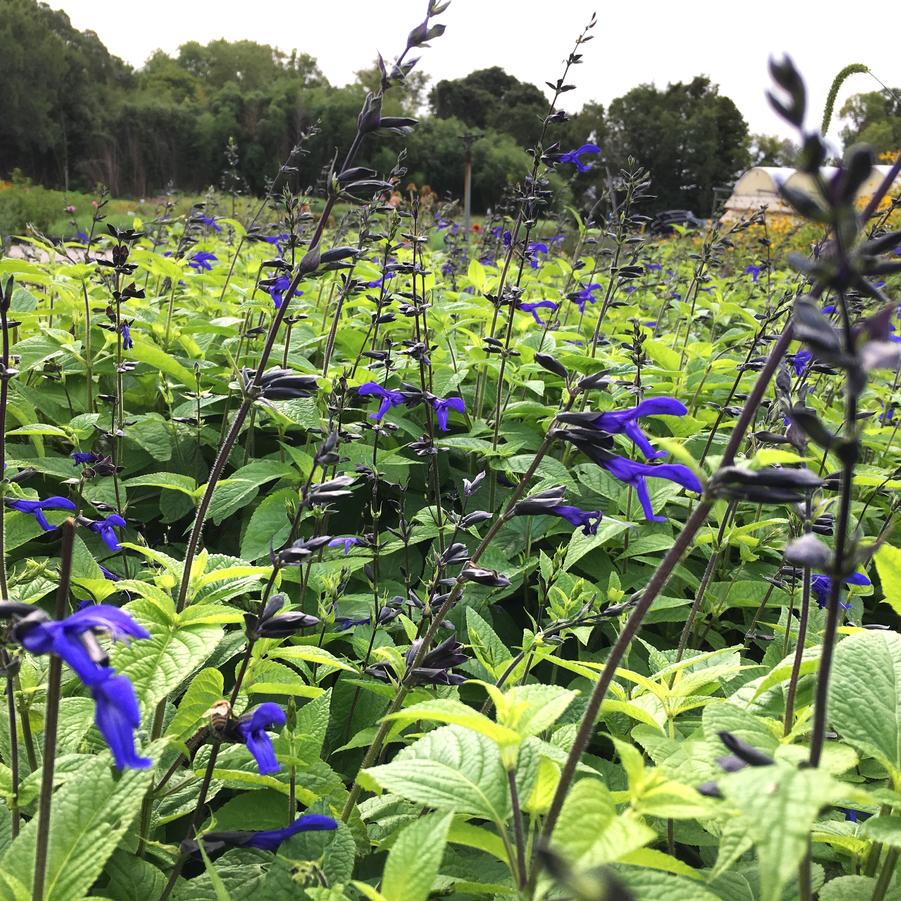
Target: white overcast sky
{"x":635,"y":42}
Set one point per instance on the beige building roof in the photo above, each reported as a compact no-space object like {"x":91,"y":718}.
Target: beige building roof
{"x":759,"y":186}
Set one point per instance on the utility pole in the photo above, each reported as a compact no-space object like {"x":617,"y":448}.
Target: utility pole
{"x":468,"y":140}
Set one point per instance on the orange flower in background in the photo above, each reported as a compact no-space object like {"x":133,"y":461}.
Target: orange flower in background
{"x":476,"y":227}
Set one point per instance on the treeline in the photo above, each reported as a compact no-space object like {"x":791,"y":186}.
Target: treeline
{"x":74,"y":115}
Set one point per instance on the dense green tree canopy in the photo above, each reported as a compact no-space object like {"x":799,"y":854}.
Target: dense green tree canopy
{"x":691,"y":138}
{"x":873,"y":118}
{"x":75,"y":115}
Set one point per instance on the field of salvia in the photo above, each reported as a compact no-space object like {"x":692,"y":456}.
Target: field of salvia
{"x":353,"y":554}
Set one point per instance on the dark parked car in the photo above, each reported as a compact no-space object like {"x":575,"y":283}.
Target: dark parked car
{"x":663,"y":223}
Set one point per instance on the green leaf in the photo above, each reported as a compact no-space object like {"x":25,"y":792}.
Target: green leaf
{"x":888,"y":565}
{"x":653,"y":885}
{"x":205,"y":689}
{"x":158,"y":665}
{"x":415,"y":857}
{"x":269,"y":526}
{"x":447,"y":710}
{"x":312,"y":654}
{"x":779,"y":805}
{"x":590,"y":832}
{"x":530,"y":709}
{"x":145,"y":351}
{"x":854,"y":888}
{"x":451,"y":768}
{"x":170,"y":480}
{"x":865,"y":696}
{"x":489,"y":650}
{"x":90,"y":815}
{"x":886,"y":830}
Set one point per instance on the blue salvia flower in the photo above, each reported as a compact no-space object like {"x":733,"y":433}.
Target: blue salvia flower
{"x":116,"y":707}
{"x":343,"y":623}
{"x":634,"y":474}
{"x":117,"y":716}
{"x":125,"y":331}
{"x":216,"y":843}
{"x":105,"y":528}
{"x":83,"y":458}
{"x":589,"y":520}
{"x":210,"y":221}
{"x":203,"y":260}
{"x":108,"y":574}
{"x":821,"y":585}
{"x":574,"y":156}
{"x":82,"y":236}
{"x":585,"y":295}
{"x":253,"y":732}
{"x":754,"y":272}
{"x":37,"y":508}
{"x":800,"y":360}
{"x":534,"y":307}
{"x":443,"y":406}
{"x":346,"y":541}
{"x":63,"y":637}
{"x":277,"y":291}
{"x":625,"y":422}
{"x":389,"y":398}
{"x":378,"y":282}
{"x":534,"y":248}
{"x":654,"y":267}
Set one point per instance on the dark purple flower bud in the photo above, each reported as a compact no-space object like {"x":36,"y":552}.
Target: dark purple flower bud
{"x":744,"y":751}
{"x":489,"y":577}
{"x":548,"y":362}
{"x":453,"y":555}
{"x":474,"y":518}
{"x":470,"y":488}
{"x":284,"y":384}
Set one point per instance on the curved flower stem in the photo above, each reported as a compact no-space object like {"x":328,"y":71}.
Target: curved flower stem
{"x":253,"y":389}
{"x":803,"y":620}
{"x":885,"y":876}
{"x":453,"y":596}
{"x":705,"y":584}
{"x":51,"y":717}
{"x":13,"y":744}
{"x":518,"y":835}
{"x":654,"y":587}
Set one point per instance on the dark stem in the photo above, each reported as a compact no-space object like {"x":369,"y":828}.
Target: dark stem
{"x":51,"y":717}
{"x":519,"y":837}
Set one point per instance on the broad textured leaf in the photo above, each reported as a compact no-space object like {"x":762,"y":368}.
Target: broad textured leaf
{"x":451,"y":768}
{"x":415,"y":857}
{"x":90,"y":816}
{"x":779,"y":804}
{"x":590,"y":830}
{"x":865,"y":696}
{"x":158,"y":665}
{"x":205,"y":690}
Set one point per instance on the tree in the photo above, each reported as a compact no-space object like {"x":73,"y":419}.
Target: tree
{"x":873,"y":118}
{"x":771,"y":150}
{"x":688,"y":136}
{"x":58,"y":85}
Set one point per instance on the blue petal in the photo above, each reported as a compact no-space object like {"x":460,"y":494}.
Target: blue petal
{"x":117,"y":716}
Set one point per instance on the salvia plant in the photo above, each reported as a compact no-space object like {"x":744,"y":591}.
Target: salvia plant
{"x":345,"y":554}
